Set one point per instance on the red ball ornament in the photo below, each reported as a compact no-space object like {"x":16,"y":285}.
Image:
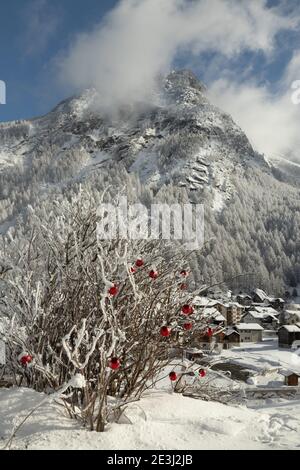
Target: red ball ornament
{"x":202,"y":373}
{"x":27,"y":359}
{"x":188,"y":326}
{"x":113,"y":290}
{"x":184,"y":273}
{"x":153,"y":274}
{"x":172,"y":376}
{"x":139,"y":263}
{"x":133,"y":270}
{"x":187,"y":309}
{"x":183,"y":286}
{"x":165,"y":331}
{"x":114,"y":363}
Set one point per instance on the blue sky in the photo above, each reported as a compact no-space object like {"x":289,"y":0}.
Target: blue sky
{"x":32,"y":32}
{"x":246,"y":52}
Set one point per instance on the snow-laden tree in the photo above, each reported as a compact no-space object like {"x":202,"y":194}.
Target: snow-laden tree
{"x":107,"y":312}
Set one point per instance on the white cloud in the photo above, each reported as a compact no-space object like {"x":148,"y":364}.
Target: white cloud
{"x":140,"y":39}
{"x":269,"y":116}
{"x":270,"y":120}
{"x":293,"y":69}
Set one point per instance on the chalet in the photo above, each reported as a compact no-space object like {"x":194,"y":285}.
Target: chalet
{"x":244,"y":299}
{"x":264,"y":316}
{"x":206,"y":309}
{"x":193,"y":354}
{"x":230,"y":338}
{"x":287,"y":334}
{"x":222,"y":338}
{"x":249,"y":332}
{"x":265,"y":309}
{"x":290,"y":316}
{"x":212,"y":315}
{"x":232,"y":312}
{"x":277,"y":303}
{"x":220,"y":313}
{"x":219,"y":319}
{"x":259,"y":296}
{"x":290,"y":378}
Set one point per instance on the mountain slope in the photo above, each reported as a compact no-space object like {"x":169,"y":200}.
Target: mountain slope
{"x":183,"y":138}
{"x":178,"y":144}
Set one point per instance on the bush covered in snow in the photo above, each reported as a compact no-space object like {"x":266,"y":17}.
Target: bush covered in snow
{"x":103,"y":315}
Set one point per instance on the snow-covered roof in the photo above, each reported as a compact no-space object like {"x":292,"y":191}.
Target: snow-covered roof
{"x":254,"y":314}
{"x":210,"y":311}
{"x":287,"y":373}
{"x":293,"y":312}
{"x":260,"y":315}
{"x":219,"y":317}
{"x":291,"y":328}
{"x":200,"y":301}
{"x":265,"y":298}
{"x":265,"y":310}
{"x":229,"y":304}
{"x":260,"y":293}
{"x":249,"y":326}
{"x":229,"y":331}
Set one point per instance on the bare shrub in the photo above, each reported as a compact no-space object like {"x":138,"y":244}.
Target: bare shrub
{"x":80,"y":308}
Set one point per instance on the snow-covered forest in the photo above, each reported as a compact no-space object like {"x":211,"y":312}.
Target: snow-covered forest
{"x":255,"y":233}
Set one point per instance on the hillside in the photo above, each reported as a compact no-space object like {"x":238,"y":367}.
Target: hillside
{"x":179,"y":147}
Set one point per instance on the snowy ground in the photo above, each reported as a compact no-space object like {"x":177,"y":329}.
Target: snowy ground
{"x":265,"y":360}
{"x":160,"y":421}
{"x":165,"y":420}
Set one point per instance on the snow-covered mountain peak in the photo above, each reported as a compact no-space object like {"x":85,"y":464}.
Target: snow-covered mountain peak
{"x":183,"y":86}
{"x":180,"y":139}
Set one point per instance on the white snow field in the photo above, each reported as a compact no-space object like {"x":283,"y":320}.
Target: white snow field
{"x":159,"y":421}
{"x":167,"y":420}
